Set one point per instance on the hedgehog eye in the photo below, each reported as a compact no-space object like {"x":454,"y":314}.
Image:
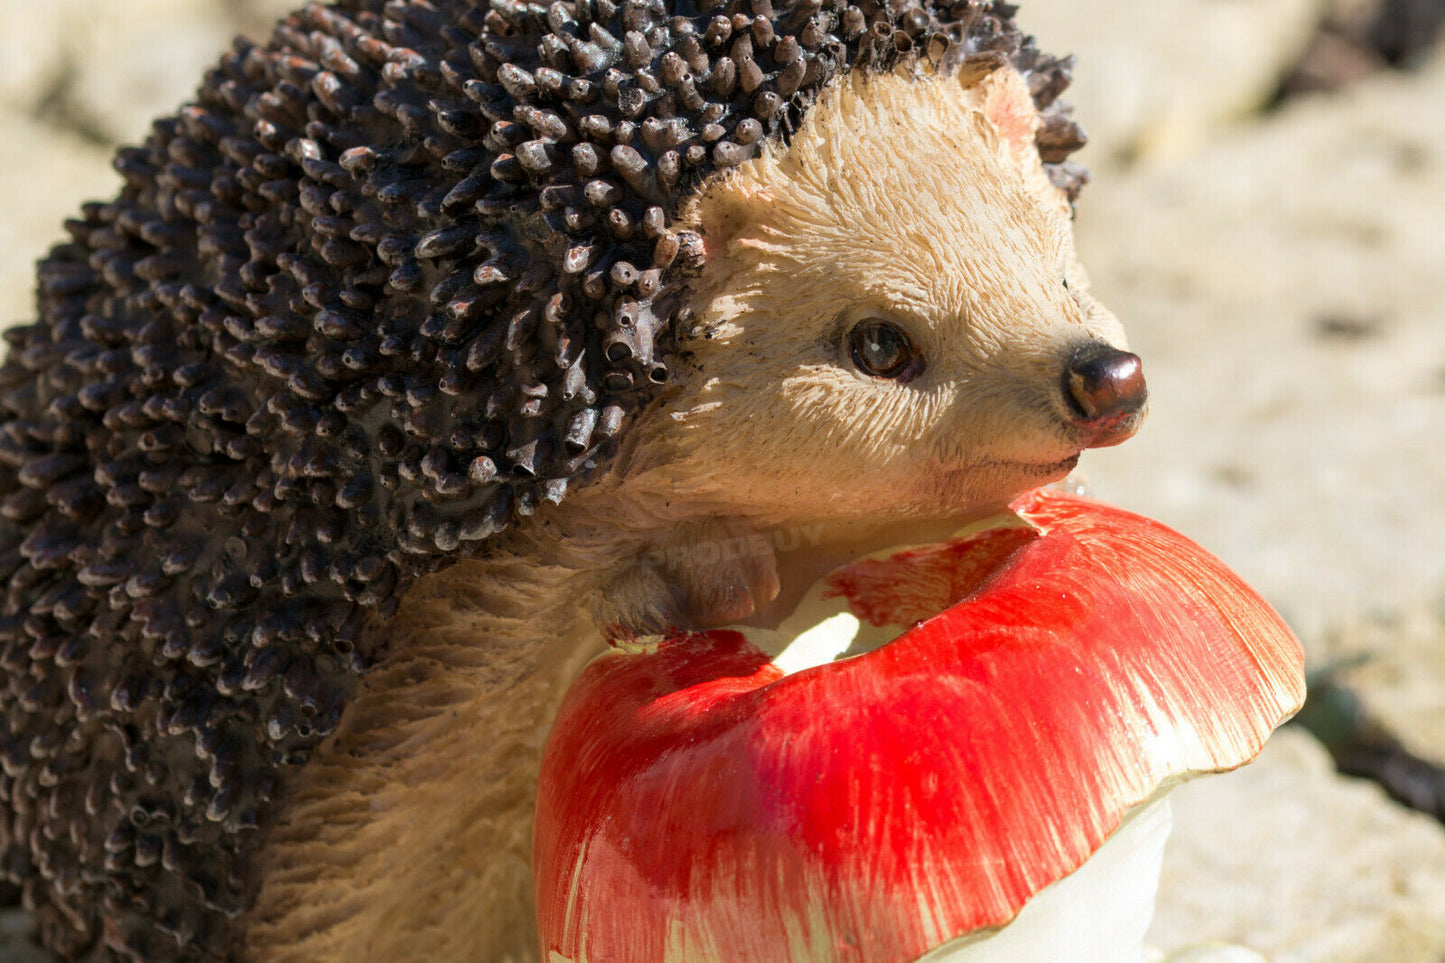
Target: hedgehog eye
{"x":883,"y":350}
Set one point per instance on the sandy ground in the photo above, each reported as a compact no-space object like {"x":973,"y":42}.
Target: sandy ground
{"x":1283,"y":275}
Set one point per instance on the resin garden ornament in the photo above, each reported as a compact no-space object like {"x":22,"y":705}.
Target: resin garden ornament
{"x":441,"y":344}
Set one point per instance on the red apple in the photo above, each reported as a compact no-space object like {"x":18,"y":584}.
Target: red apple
{"x":697,"y":802}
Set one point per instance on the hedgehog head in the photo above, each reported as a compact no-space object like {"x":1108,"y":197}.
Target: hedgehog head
{"x":523,"y":178}
{"x":884,"y":313}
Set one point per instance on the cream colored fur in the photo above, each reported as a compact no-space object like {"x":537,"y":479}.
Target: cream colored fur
{"x":916,"y":199}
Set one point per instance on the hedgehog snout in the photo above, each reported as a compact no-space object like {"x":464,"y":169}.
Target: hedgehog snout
{"x":1106,"y":394}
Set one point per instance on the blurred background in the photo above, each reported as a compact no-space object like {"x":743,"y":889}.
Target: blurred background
{"x":1267,"y":216}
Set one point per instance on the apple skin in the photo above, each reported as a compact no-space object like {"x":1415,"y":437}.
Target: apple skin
{"x":696,"y":803}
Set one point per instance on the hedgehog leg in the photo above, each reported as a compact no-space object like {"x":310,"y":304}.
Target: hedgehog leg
{"x":408,"y":834}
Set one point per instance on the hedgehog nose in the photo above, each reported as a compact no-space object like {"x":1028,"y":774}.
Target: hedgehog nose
{"x":1106,"y":393}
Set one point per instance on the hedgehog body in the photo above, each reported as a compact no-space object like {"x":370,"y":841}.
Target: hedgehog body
{"x":408,"y":355}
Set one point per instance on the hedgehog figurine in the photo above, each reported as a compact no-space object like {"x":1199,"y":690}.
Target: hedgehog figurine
{"x":439,"y":342}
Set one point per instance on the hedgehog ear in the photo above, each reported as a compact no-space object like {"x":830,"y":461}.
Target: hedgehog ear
{"x":724,"y":211}
{"x":1002,"y":96}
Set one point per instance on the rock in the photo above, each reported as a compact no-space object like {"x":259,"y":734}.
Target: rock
{"x":57,"y":170}
{"x":136,"y":61}
{"x":108,"y":68}
{"x":1289,"y":859}
{"x":79,"y":77}
{"x":1396,"y":662}
{"x":1158,"y":80}
{"x":34,"y":60}
{"x":1215,"y":953}
{"x":1284,"y":288}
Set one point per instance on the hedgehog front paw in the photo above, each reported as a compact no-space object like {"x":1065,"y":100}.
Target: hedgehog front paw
{"x":724,"y":574}
{"x":699,"y":577}
{"x":639,"y":605}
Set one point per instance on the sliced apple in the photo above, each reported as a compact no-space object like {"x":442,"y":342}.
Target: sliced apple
{"x":937,"y":736}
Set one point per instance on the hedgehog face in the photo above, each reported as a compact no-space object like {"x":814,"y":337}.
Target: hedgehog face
{"x":886,"y":315}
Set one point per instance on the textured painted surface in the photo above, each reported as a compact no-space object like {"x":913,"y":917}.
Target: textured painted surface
{"x":874,"y":807}
{"x":393,"y":282}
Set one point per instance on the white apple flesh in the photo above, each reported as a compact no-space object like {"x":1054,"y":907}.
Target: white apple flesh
{"x":1099,"y":913}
